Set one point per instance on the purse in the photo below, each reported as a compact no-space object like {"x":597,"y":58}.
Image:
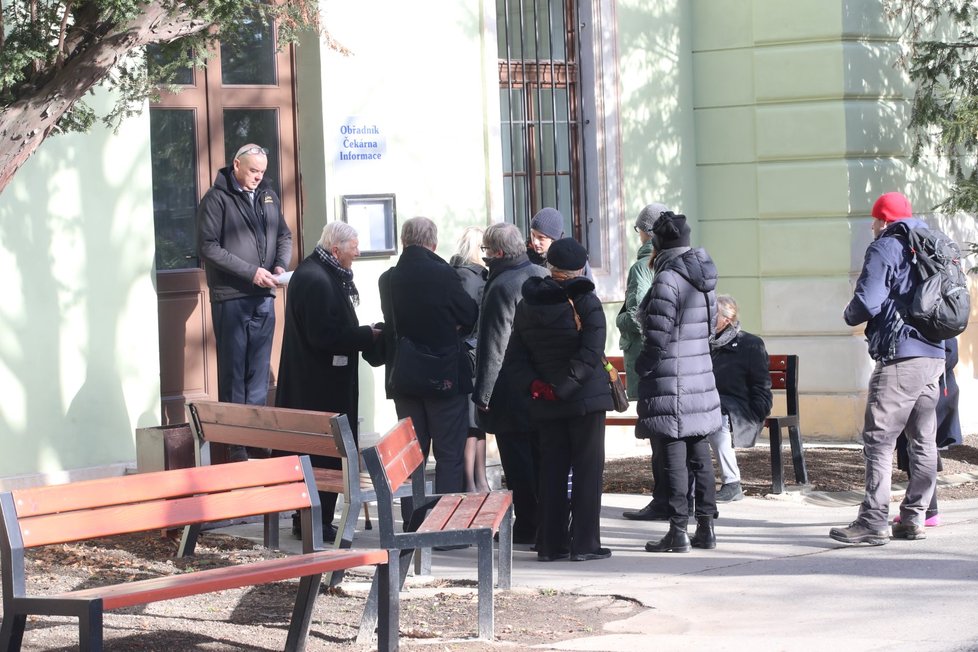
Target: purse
{"x":618,"y":395}
{"x":418,"y":370}
{"x":421,"y":371}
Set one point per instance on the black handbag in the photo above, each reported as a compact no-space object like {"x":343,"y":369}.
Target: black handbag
{"x":421,"y":371}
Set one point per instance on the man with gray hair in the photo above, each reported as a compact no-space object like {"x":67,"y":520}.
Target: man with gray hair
{"x":423,"y":300}
{"x":322,"y":340}
{"x":502,"y":410}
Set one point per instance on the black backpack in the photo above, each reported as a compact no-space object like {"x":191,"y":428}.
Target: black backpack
{"x":941,"y":304}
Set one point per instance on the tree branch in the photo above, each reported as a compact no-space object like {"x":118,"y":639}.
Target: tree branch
{"x":61,"y":34}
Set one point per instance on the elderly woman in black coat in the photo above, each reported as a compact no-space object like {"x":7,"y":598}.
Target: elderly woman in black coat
{"x":740,"y":366}
{"x":678,"y":404}
{"x":556,"y":353}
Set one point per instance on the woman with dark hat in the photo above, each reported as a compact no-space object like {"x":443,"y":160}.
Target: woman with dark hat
{"x":556,"y":351}
{"x":678,"y":404}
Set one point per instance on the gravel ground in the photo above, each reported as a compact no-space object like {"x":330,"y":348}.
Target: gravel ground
{"x":256,"y":619}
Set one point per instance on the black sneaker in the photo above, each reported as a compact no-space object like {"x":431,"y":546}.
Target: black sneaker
{"x":730,"y":492}
{"x":911,"y":531}
{"x":859,"y":533}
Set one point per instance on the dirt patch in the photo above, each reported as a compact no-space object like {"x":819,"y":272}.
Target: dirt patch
{"x":829,"y":469}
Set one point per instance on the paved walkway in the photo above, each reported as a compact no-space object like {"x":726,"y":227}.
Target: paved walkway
{"x":775,"y":582}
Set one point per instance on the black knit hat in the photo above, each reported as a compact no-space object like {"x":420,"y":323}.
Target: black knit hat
{"x":670,"y":231}
{"x":567,"y":254}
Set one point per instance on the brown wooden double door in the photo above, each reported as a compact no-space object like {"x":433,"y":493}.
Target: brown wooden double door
{"x":244,"y":96}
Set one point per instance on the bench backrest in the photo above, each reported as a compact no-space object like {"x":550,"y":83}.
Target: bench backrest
{"x":783,"y":370}
{"x":151,"y":501}
{"x":306,"y":432}
{"x":393,"y":460}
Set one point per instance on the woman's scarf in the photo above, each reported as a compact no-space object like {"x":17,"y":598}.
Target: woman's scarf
{"x":344,"y":275}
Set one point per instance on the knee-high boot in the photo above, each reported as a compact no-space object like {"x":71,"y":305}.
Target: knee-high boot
{"x":704,"y":537}
{"x":676,"y":540}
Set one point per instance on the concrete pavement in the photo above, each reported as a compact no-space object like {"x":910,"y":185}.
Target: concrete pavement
{"x":775,"y":582}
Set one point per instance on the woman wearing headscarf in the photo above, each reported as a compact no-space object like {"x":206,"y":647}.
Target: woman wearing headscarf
{"x":557,"y":351}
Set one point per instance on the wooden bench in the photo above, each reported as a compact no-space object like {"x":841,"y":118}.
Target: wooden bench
{"x":305,"y":432}
{"x":172,"y":499}
{"x":453,"y":519}
{"x":783,"y":370}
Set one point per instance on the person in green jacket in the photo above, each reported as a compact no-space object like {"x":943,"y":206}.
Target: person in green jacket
{"x":639,"y":282}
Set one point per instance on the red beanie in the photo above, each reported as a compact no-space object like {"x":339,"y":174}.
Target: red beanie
{"x":892,"y":206}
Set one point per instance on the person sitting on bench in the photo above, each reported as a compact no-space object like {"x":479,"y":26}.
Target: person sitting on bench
{"x":740,"y":366}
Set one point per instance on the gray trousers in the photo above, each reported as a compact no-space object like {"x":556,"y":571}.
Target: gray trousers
{"x":902,"y":397}
{"x":722,"y":444}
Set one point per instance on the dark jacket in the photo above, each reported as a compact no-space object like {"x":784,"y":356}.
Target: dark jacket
{"x":234,"y":238}
{"x":547,"y":345}
{"x":321,"y":344}
{"x":423,"y":299}
{"x":885,"y":288}
{"x":508,"y":409}
{"x":740,"y":366}
{"x":677,"y":393}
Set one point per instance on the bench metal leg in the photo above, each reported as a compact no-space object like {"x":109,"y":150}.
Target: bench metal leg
{"x":798,"y":455}
{"x":12,"y":631}
{"x":368,"y":622}
{"x":188,"y":541}
{"x":485,"y":586}
{"x":270,"y":532}
{"x":777,"y":472}
{"x":422,"y":561}
{"x":305,"y":600}
{"x":505,"y":572}
{"x":90,"y":628}
{"x":344,"y":534}
{"x":389,"y":610}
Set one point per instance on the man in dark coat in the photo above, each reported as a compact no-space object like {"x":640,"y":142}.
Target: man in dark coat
{"x":422,"y":299}
{"x":244,"y":243}
{"x":322,"y":340}
{"x":503,"y":410}
{"x":678,"y":405}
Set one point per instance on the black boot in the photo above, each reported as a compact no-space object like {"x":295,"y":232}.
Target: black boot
{"x":676,"y":540}
{"x":704,"y":536}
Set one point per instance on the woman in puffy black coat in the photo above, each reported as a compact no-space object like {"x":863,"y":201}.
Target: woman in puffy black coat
{"x":556,"y":353}
{"x":678,"y":403}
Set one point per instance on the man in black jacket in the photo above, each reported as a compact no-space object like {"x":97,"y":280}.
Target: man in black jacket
{"x":422,"y":299}
{"x":244,"y":243}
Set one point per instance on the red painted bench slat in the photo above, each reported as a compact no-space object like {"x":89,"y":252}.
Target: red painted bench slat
{"x":228,"y":577}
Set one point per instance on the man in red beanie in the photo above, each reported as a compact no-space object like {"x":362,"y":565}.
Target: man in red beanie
{"x":903,"y":387}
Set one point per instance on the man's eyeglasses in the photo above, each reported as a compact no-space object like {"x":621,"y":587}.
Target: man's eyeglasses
{"x":251,"y":149}
{"x":635,"y":227}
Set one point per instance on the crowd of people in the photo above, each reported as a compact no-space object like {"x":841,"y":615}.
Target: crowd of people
{"x":515,"y":334}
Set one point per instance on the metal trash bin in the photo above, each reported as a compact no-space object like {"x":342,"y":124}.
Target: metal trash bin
{"x":161,"y":448}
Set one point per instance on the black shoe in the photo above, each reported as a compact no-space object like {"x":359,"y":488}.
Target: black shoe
{"x":704,"y":537}
{"x":460,"y":546}
{"x":676,"y":540}
{"x":650,"y":512}
{"x":329,"y":533}
{"x":730,"y":492}
{"x":908,"y":530}
{"x":600,"y":553}
{"x":557,"y":556}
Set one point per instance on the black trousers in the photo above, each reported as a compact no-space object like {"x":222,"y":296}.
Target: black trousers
{"x":519,"y":453}
{"x":574,"y":444}
{"x":441,"y":424}
{"x":680,"y":458}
